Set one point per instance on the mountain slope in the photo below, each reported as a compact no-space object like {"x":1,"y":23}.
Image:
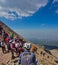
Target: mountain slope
{"x":44,"y":56}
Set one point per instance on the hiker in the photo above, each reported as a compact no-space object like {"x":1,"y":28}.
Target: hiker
{"x":27,"y":57}
{"x":22,"y":41}
{"x":12,"y":49}
{"x":18,"y":47}
{"x":12,"y":35}
{"x":7,"y":41}
{"x":33,"y":48}
{"x":8,"y":45}
{"x":3,"y":46}
{"x":5,"y":35}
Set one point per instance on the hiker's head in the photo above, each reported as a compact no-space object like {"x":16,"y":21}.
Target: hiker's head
{"x":27,"y":46}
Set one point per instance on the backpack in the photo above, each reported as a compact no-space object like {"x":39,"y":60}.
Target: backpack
{"x":27,"y":59}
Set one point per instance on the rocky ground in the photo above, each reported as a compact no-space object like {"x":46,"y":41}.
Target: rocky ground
{"x":54,"y":52}
{"x":47,"y":59}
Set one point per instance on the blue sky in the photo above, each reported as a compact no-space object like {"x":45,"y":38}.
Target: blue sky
{"x":31,"y":18}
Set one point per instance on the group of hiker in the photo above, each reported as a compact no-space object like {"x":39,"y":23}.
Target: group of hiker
{"x":14,"y":44}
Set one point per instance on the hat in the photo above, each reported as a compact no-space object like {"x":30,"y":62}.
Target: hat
{"x":27,"y":45}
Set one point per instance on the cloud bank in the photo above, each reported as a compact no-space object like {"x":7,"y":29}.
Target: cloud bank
{"x":13,"y":9}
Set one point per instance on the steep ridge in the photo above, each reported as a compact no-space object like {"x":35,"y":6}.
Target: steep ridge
{"x":43,"y":55}
{"x":10,"y":31}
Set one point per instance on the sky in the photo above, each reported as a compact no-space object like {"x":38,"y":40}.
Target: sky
{"x":31,"y":18}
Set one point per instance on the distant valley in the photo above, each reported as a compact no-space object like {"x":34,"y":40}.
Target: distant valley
{"x":49,"y":44}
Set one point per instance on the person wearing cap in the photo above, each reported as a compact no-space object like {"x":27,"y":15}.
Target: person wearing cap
{"x":27,"y":57}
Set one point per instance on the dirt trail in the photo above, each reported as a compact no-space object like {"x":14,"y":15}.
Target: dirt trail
{"x":4,"y":58}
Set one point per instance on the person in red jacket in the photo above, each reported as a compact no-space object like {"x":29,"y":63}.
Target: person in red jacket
{"x":6,"y":41}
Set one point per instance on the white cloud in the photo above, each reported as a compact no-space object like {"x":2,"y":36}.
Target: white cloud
{"x":56,"y":5}
{"x":22,"y":8}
